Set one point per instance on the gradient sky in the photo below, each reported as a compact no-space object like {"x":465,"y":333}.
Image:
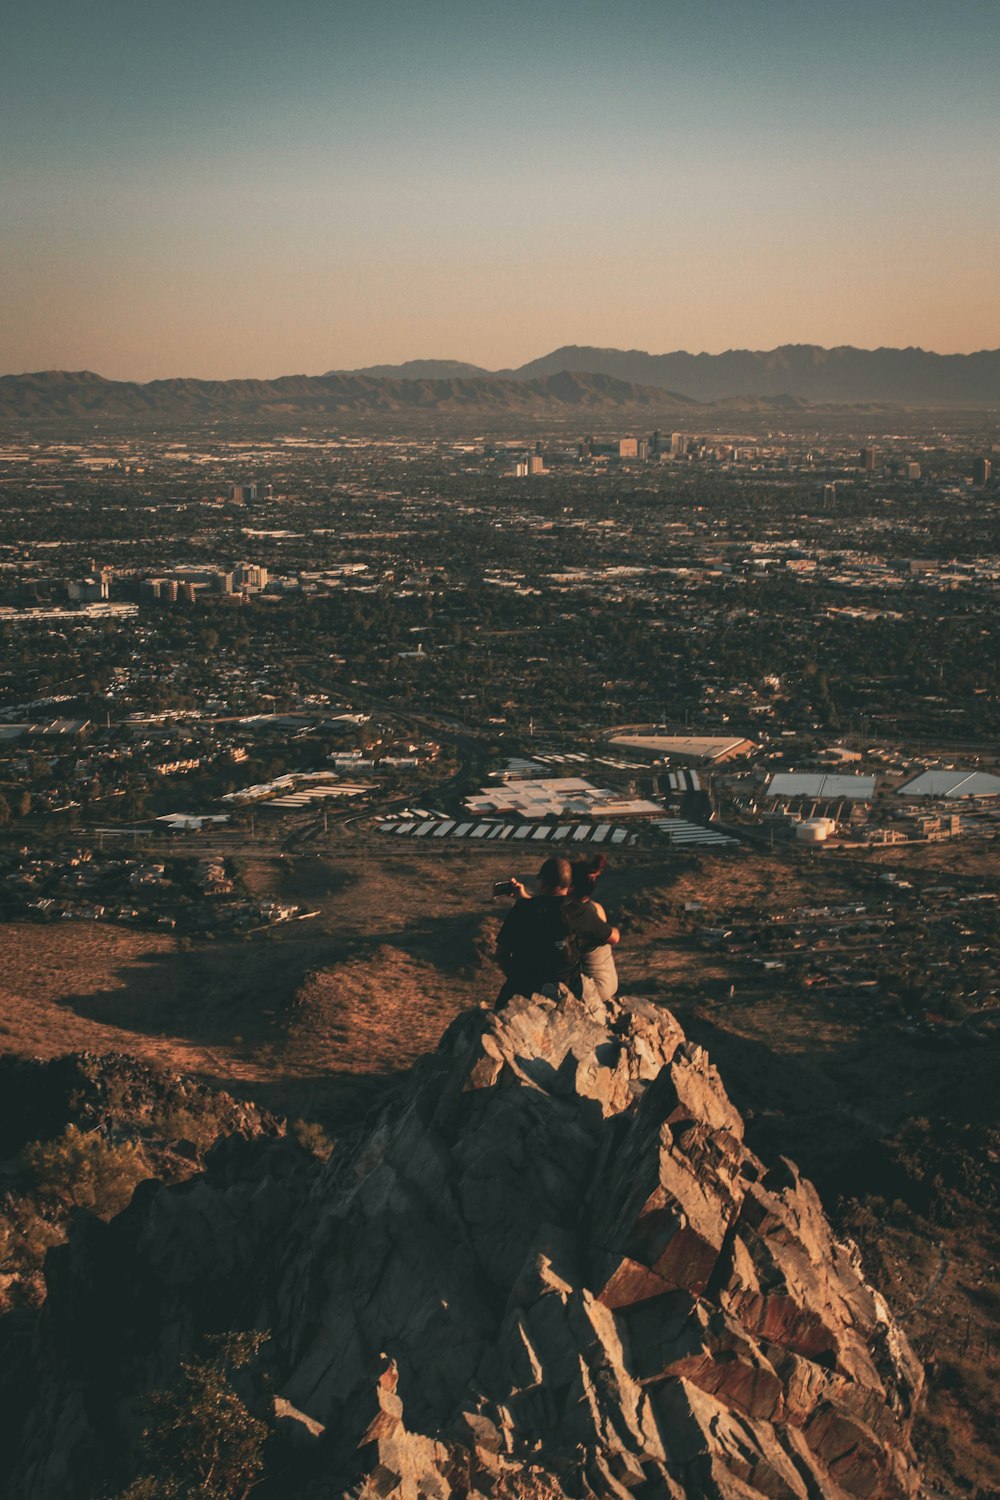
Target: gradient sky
{"x":220,"y":189}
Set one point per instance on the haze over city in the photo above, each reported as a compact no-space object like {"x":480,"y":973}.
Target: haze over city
{"x":256,"y":190}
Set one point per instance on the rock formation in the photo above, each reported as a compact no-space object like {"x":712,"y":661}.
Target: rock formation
{"x":106,"y":1121}
{"x":550,"y":1267}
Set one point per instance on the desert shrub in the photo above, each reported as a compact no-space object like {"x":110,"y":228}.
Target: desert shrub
{"x":312,"y":1137}
{"x":956,"y":1431}
{"x":175,"y":1123}
{"x":148,"y":1488}
{"x":25,"y":1235}
{"x":80,"y":1167}
{"x":25,"y":1238}
{"x":200,"y":1438}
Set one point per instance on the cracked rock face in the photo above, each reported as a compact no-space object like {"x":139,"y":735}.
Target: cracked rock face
{"x":552,"y":1268}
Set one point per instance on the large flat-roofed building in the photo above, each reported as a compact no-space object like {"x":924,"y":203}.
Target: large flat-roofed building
{"x":952,"y":784}
{"x":571,"y":796}
{"x":91,"y":589}
{"x":828,"y":786}
{"x":250,"y":576}
{"x":61,"y":729}
{"x":216,"y":580}
{"x":685,"y":747}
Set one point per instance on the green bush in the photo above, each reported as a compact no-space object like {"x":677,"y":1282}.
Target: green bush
{"x":80,"y":1167}
{"x":200,"y":1438}
{"x":25,"y":1238}
{"x":175,"y":1123}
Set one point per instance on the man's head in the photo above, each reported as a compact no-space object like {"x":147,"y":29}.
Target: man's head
{"x":554,"y":877}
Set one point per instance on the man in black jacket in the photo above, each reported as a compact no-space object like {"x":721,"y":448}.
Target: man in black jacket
{"x":543,"y":939}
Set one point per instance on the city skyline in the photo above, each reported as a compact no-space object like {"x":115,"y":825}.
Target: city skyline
{"x":258,"y":191}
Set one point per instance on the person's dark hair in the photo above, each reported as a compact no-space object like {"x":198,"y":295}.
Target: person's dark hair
{"x":554,"y":874}
{"x":586,"y":873}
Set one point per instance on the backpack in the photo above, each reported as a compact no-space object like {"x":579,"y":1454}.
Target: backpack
{"x":546,"y":948}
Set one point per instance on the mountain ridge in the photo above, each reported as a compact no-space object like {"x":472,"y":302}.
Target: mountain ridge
{"x":61,"y":395}
{"x":573,"y":376}
{"x":420,"y":369}
{"x":812,"y":372}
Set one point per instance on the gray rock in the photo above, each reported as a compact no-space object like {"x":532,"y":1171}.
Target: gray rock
{"x":552,"y":1268}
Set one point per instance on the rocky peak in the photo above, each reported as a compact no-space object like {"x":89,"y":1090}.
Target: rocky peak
{"x":550,"y":1268}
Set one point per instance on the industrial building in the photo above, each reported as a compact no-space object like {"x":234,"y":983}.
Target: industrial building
{"x":948,"y":785}
{"x":562,"y":796}
{"x":712,"y":749}
{"x":822,"y":785}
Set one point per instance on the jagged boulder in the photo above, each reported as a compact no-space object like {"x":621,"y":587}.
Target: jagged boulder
{"x":551,"y":1268}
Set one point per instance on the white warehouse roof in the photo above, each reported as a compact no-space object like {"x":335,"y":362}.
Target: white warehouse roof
{"x":569,"y":796}
{"x":821,"y":784}
{"x":685,"y":746}
{"x":953,"y":784}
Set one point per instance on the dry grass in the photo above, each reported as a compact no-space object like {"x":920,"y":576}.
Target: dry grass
{"x":288,"y":1017}
{"x":314,"y":1018}
{"x":51,"y":976}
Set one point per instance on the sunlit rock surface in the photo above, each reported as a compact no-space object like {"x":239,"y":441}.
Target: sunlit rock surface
{"x":550,"y":1267}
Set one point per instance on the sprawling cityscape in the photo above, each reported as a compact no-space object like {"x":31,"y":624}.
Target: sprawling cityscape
{"x":184,"y":623}
{"x":258,"y":687}
{"x":500,"y":751}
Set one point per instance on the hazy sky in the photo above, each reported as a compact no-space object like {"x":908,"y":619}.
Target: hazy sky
{"x":262,"y":187}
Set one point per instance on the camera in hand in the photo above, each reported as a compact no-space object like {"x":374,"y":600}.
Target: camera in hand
{"x":503,"y":888}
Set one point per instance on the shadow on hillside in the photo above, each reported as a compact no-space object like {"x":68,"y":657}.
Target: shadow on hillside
{"x":239,"y":993}
{"x":209,"y":996}
{"x":836,"y":1112}
{"x":449,"y":943}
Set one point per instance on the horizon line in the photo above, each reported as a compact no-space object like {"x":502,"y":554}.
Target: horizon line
{"x":484,"y":371}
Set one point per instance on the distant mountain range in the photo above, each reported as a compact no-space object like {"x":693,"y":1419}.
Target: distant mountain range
{"x":425,"y":369}
{"x":55,"y":395}
{"x":572,"y":379}
{"x":902,"y":376}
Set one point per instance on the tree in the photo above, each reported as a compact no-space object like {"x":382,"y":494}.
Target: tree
{"x":134,"y":803}
{"x":201,"y":1439}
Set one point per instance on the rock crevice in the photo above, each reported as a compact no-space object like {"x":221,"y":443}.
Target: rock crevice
{"x":551,"y":1268}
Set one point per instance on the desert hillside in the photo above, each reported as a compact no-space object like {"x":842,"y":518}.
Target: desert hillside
{"x":319,"y":1023}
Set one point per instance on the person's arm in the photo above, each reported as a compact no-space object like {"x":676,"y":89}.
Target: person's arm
{"x":599,"y":930}
{"x":614,"y":936}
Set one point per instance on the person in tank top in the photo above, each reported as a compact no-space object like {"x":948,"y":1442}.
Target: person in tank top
{"x":596,"y":963}
{"x":543,"y":938}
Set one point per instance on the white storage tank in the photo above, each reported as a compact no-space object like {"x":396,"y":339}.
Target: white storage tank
{"x":814,"y":830}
